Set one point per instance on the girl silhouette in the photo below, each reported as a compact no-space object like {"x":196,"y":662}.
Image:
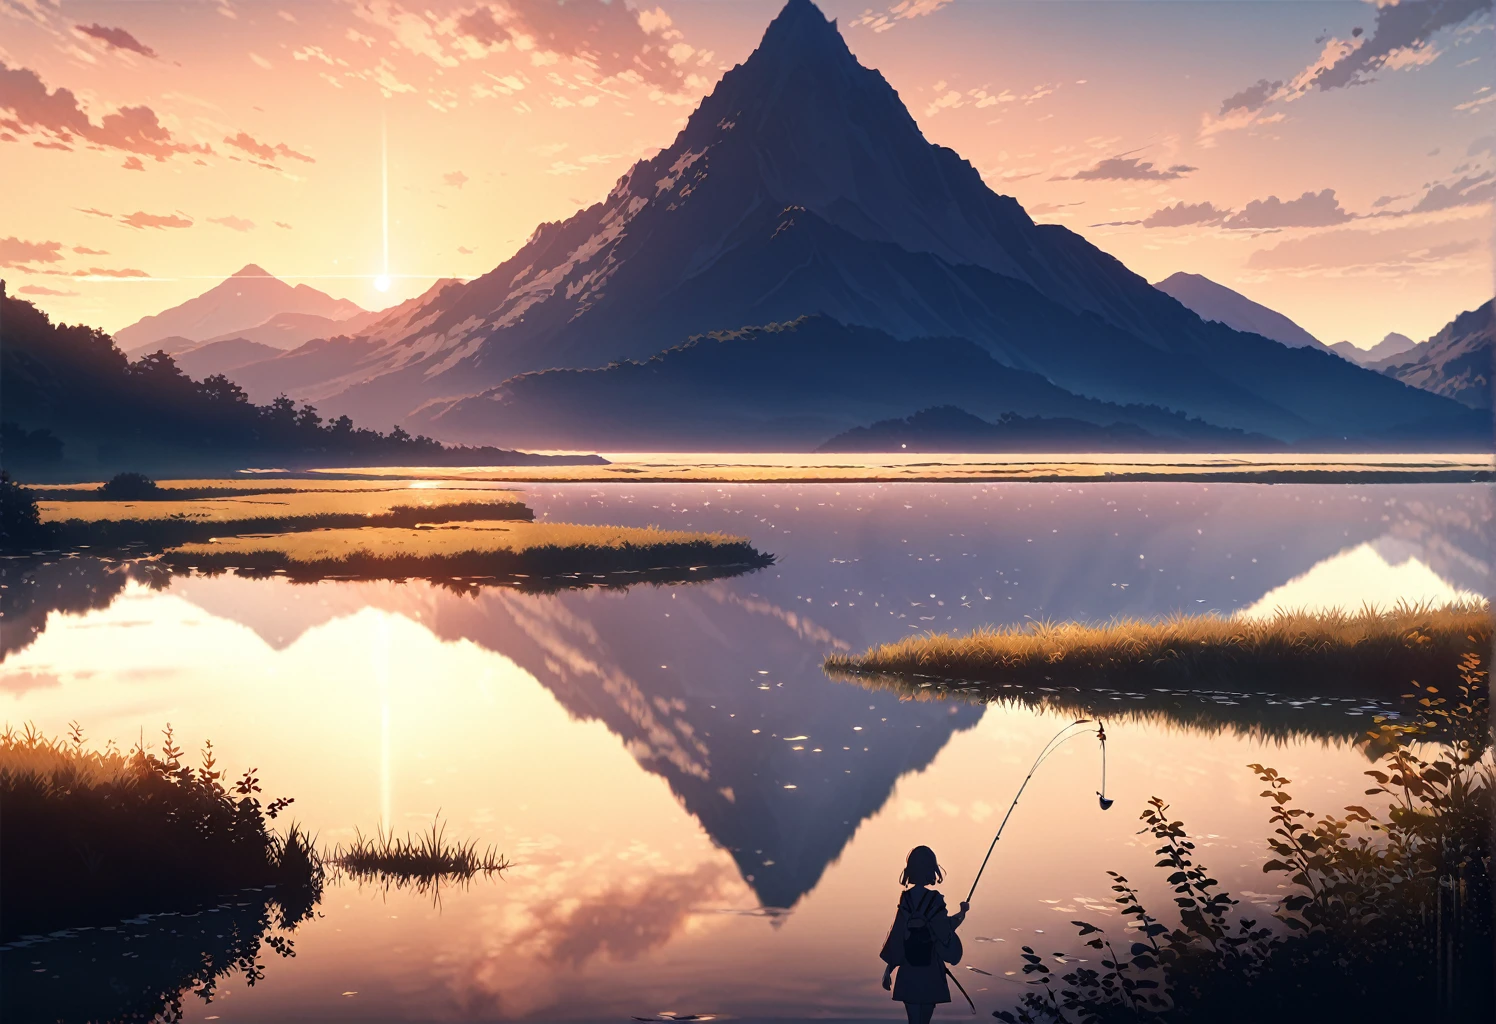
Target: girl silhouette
{"x":922,"y":940}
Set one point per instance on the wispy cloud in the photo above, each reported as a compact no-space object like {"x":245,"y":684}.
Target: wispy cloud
{"x":57,"y":116}
{"x":233,"y":223}
{"x":266,"y":153}
{"x":141,"y":219}
{"x":15,"y":252}
{"x":882,"y":21}
{"x":1127,"y":168}
{"x":116,"y":39}
{"x":1310,"y":210}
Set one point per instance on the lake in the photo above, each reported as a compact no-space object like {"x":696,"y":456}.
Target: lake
{"x":701,"y":822}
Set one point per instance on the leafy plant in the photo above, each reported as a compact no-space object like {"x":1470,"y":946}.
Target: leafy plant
{"x":1386,"y":910}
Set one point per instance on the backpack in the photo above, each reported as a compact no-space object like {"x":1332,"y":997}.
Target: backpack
{"x":919,"y":942}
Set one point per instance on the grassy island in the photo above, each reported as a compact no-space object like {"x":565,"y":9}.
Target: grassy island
{"x":488,"y":550}
{"x":1367,"y":653}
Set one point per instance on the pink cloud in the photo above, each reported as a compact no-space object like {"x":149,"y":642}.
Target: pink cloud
{"x":116,"y":39}
{"x":15,"y":252}
{"x":140,"y":219}
{"x":57,"y":115}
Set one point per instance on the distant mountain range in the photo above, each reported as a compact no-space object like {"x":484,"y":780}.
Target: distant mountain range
{"x":1392,"y":345}
{"x":251,"y":299}
{"x":784,"y":388}
{"x":802,"y":187}
{"x":1457,"y":362}
{"x":1212,"y":301}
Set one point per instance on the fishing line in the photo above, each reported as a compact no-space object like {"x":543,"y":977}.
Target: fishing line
{"x":1055,"y":742}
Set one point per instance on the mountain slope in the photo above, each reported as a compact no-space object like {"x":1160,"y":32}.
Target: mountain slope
{"x":210,"y":357}
{"x":783,"y":387}
{"x":1456,"y":362}
{"x":247,"y":299}
{"x":1212,"y":301}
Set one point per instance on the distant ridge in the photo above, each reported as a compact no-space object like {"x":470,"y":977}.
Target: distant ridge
{"x":246,"y":299}
{"x":1212,"y":301}
{"x":1389,"y":347}
{"x":1456,"y":362}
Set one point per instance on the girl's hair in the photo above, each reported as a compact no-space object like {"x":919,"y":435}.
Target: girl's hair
{"x":922,"y":868}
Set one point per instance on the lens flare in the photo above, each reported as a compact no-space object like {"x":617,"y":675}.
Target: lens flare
{"x":382,"y":282}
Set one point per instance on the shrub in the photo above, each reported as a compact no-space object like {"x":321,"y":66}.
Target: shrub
{"x":132,"y":487}
{"x":21,"y":526}
{"x":94,"y":836}
{"x":1385,"y":912}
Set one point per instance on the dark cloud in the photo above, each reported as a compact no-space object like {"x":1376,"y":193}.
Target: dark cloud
{"x":465,"y":250}
{"x":117,"y":39}
{"x":94,"y":212}
{"x":283,"y":224}
{"x":83,"y":250}
{"x":57,"y":115}
{"x":1185,"y":214}
{"x":246,"y":142}
{"x":1310,"y":210}
{"x":1398,"y":26}
{"x":1382,"y":201}
{"x":1253,"y":97}
{"x":456,"y":179}
{"x":604,"y":34}
{"x":1130,"y":168}
{"x":39,"y":289}
{"x":15,"y":252}
{"x":233,"y":223}
{"x":1484,"y":144}
{"x":1467,"y":191}
{"x":139,"y":219}
{"x":132,"y":163}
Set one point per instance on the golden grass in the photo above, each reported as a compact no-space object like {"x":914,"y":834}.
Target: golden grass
{"x":423,"y":862}
{"x":1372,"y":651}
{"x":471,"y":548}
{"x":881,"y":468}
{"x":367,"y":501}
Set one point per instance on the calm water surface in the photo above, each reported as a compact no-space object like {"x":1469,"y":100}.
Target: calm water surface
{"x":701,"y":821}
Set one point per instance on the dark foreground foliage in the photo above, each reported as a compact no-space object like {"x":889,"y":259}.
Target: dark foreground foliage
{"x":1387,"y":914}
{"x":21,"y":526}
{"x":92,"y":836}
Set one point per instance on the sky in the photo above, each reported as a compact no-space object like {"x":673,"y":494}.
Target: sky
{"x":1335,"y":161}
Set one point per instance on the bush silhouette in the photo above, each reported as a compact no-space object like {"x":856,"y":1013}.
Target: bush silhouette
{"x":132,"y":487}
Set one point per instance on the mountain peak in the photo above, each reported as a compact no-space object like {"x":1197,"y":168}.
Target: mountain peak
{"x":252,"y":270}
{"x":800,"y":20}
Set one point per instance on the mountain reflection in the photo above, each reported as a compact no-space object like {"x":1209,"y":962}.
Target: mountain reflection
{"x":717,"y":687}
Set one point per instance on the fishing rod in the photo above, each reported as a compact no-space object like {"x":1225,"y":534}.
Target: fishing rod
{"x":1054,"y":744}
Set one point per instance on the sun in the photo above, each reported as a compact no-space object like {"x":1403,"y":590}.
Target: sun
{"x":382,"y":282}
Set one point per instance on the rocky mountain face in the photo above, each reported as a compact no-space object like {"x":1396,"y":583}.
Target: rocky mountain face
{"x":802,"y":186}
{"x":1212,"y":301}
{"x":246,"y":300}
{"x":1456,"y":363}
{"x":790,"y":387}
